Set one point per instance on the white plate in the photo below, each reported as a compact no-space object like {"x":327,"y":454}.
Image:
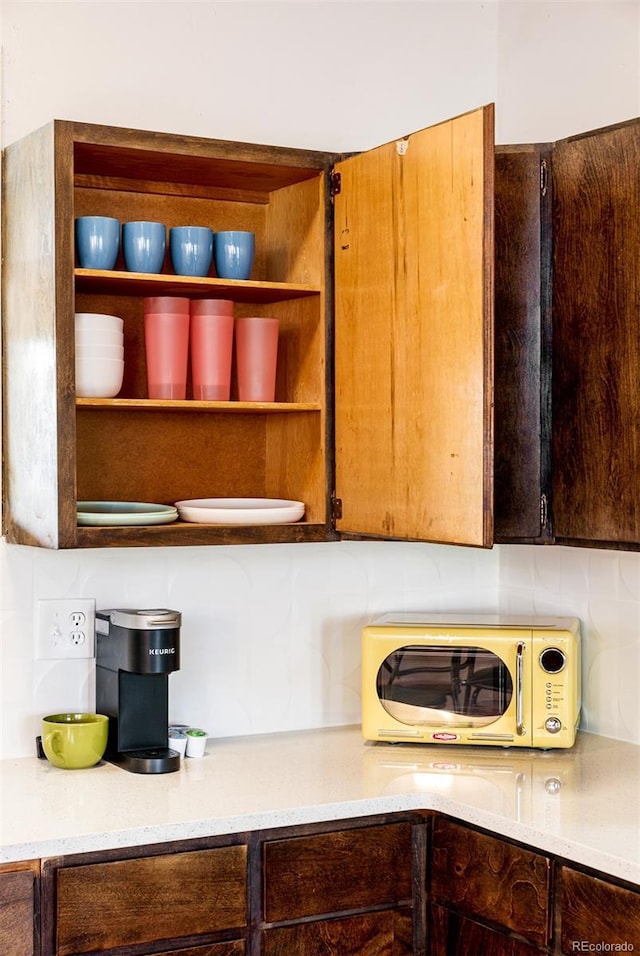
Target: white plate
{"x":244,"y":511}
{"x":105,"y":513}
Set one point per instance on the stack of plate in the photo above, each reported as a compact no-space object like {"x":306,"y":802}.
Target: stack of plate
{"x":240,"y":511}
{"x":106,"y":513}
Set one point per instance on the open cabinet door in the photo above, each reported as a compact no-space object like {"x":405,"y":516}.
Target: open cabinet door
{"x":596,"y":342}
{"x":414,"y":335}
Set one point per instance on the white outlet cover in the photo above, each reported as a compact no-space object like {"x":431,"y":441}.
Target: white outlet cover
{"x":57,"y":636}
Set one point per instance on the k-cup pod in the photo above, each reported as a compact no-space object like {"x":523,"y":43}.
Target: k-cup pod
{"x":196,"y":742}
{"x":178,"y":741}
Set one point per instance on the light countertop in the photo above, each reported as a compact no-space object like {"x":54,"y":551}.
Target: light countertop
{"x":582,"y":804}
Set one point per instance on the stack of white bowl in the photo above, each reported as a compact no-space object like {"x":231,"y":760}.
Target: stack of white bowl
{"x":99,"y":355}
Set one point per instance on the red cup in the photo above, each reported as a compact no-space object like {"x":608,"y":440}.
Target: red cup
{"x":211,"y":307}
{"x":166,"y":339}
{"x":211,"y":348}
{"x":165,"y":304}
{"x":256,"y":358}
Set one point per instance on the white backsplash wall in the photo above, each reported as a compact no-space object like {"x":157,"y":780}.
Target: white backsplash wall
{"x":271,"y":634}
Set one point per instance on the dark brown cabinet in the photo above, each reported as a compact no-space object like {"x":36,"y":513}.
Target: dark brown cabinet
{"x":567,"y":350}
{"x":596,"y":351}
{"x":102,"y":906}
{"x":327,"y":875}
{"x":298,"y":892}
{"x":596,"y":913}
{"x":410,"y":884}
{"x":19,"y":909}
{"x":412,"y":456}
{"x":485,"y":879}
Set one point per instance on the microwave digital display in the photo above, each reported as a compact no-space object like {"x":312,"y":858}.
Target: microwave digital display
{"x":471,"y":680}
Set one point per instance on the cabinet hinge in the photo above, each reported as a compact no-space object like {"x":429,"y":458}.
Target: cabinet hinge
{"x":544,"y":177}
{"x":336,"y":183}
{"x":336,"y":508}
{"x":543,"y":511}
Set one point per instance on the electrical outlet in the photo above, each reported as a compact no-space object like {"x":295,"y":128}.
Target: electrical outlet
{"x":65,"y":630}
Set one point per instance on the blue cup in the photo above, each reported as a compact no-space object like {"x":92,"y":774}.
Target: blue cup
{"x":97,"y":241}
{"x":191,"y":250}
{"x":233,"y":253}
{"x":144,"y":245}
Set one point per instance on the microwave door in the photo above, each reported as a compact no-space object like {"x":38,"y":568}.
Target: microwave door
{"x":444,"y":686}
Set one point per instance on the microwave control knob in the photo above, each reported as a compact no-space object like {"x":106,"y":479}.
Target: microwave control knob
{"x":552,"y":660}
{"x":552,"y":725}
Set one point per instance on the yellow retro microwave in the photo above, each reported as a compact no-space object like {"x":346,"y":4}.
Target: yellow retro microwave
{"x":471,"y":679}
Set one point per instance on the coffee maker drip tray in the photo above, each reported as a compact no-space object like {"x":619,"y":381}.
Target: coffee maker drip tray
{"x":150,"y":760}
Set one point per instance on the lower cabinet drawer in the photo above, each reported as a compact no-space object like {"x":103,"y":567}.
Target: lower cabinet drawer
{"x":387,"y":933}
{"x":498,"y":882}
{"x":337,"y":871}
{"x":597,"y":916}
{"x":104,"y":905}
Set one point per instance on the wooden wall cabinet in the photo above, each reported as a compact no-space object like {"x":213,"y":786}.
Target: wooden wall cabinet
{"x":20,"y":909}
{"x":596,"y":353}
{"x":567,"y":348}
{"x":382,"y":422}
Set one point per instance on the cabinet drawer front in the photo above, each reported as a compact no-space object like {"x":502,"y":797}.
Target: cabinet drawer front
{"x":333,"y":872}
{"x":387,"y":933}
{"x":486,"y":877}
{"x":104,"y":905}
{"x":17,"y":904}
{"x":597,"y":913}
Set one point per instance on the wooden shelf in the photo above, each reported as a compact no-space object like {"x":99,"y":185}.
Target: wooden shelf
{"x":139,"y":284}
{"x":153,"y":404}
{"x":186,"y":533}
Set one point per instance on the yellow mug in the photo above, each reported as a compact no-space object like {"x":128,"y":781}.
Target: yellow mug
{"x":74,"y":741}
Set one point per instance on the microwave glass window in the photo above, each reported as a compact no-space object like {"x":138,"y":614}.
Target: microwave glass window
{"x":455,"y":686}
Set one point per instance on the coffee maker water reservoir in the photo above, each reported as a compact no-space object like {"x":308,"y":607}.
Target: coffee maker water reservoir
{"x":136,"y":650}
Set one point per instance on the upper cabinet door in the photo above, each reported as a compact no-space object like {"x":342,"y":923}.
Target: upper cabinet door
{"x":414,"y":335}
{"x":596,"y":342}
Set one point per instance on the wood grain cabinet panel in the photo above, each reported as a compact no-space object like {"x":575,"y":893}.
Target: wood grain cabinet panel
{"x":105,"y":905}
{"x":596,"y":347}
{"x":596,"y":914}
{"x":387,"y":933}
{"x":339,"y":871}
{"x":18,"y":909}
{"x":455,"y":935}
{"x":485,"y":877}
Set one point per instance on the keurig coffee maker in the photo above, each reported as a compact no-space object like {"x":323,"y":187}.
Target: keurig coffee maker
{"x":135,"y":653}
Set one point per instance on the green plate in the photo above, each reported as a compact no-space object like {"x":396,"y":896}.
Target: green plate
{"x":105,"y":513}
